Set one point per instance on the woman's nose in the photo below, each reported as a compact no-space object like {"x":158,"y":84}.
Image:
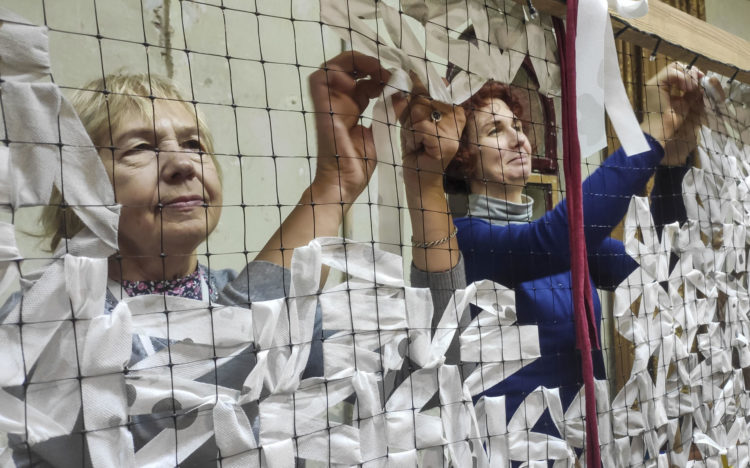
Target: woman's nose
{"x":520,"y":139}
{"x":176,"y":164}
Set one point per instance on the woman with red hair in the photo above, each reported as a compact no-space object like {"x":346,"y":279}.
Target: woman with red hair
{"x":499,"y":240}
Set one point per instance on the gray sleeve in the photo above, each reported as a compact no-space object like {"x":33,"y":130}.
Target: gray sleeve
{"x":258,"y":281}
{"x":264,"y":281}
{"x":441,"y":284}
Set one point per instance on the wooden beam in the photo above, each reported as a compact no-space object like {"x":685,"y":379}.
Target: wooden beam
{"x":683,"y":37}
{"x":551,"y":7}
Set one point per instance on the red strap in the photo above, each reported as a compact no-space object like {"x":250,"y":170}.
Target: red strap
{"x":585,"y":319}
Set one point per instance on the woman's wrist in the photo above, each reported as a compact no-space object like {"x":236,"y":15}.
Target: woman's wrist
{"x":422,"y":244}
{"x":423,"y":186}
{"x":654,"y":127}
{"x":431,"y":220}
{"x":331,"y":191}
{"x":326,"y":207}
{"x":434,"y":242}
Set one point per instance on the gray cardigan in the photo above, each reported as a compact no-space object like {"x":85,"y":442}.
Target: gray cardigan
{"x":258,"y":281}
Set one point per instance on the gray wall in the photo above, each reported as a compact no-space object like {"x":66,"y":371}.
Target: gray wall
{"x":210,"y":35}
{"x":730,"y":15}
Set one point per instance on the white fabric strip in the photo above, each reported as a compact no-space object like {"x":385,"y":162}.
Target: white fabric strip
{"x":598,"y":81}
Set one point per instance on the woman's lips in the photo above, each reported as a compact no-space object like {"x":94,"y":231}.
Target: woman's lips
{"x":521,"y":158}
{"x":184,"y":203}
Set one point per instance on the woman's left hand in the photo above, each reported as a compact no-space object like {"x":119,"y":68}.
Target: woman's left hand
{"x":430,"y":138}
{"x":674,"y":109}
{"x":430,"y":135}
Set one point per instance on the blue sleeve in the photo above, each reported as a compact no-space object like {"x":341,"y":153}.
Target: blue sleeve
{"x":521,"y":252}
{"x":667,"y":205}
{"x":610,"y":264}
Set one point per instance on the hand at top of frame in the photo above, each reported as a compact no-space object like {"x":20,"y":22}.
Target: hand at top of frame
{"x":674,"y":109}
{"x":341,"y":91}
{"x":430,"y":136}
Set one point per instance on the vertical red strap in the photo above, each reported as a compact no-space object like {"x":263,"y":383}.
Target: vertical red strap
{"x":585,"y":319}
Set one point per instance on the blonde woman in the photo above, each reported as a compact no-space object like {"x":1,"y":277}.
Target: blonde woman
{"x":158,"y":154}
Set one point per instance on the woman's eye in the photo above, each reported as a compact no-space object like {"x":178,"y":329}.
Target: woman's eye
{"x":140,"y":148}
{"x":193,"y":144}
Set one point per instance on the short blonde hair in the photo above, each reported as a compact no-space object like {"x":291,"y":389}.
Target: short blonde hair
{"x":101,"y":105}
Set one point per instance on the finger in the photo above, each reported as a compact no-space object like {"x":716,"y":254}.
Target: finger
{"x":325,"y":84}
{"x":423,"y":107}
{"x":425,"y":132}
{"x":342,"y":95}
{"x":369,"y":154}
{"x":417,"y":88}
{"x":694,"y":77}
{"x":411,"y":140}
{"x":686,"y":81}
{"x":409,"y":109}
{"x":400,"y":104}
{"x":714,"y":88}
{"x":431,"y":144}
{"x":420,"y":109}
{"x":454,"y":118}
{"x":359,"y":65}
{"x":341,"y":73}
{"x":365,"y":90}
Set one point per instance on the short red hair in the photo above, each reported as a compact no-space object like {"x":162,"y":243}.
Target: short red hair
{"x":464,"y":164}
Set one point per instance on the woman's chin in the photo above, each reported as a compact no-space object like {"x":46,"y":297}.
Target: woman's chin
{"x":182,"y":243}
{"x":519,"y":179}
{"x":186,"y":235}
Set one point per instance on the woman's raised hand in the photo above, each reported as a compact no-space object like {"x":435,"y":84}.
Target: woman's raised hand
{"x":341,"y":91}
{"x":430,"y":137}
{"x":430,"y":133}
{"x":674,"y":108}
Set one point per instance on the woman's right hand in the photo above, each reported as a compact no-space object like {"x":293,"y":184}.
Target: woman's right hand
{"x":341,"y":90}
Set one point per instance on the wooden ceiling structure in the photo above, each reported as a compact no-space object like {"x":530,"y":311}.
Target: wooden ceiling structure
{"x":677,"y":35}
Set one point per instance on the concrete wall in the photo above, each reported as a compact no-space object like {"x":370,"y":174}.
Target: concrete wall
{"x":730,"y":15}
{"x":245,"y":140}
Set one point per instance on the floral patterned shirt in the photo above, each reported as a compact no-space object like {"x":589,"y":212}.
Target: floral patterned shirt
{"x":189,"y":286}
